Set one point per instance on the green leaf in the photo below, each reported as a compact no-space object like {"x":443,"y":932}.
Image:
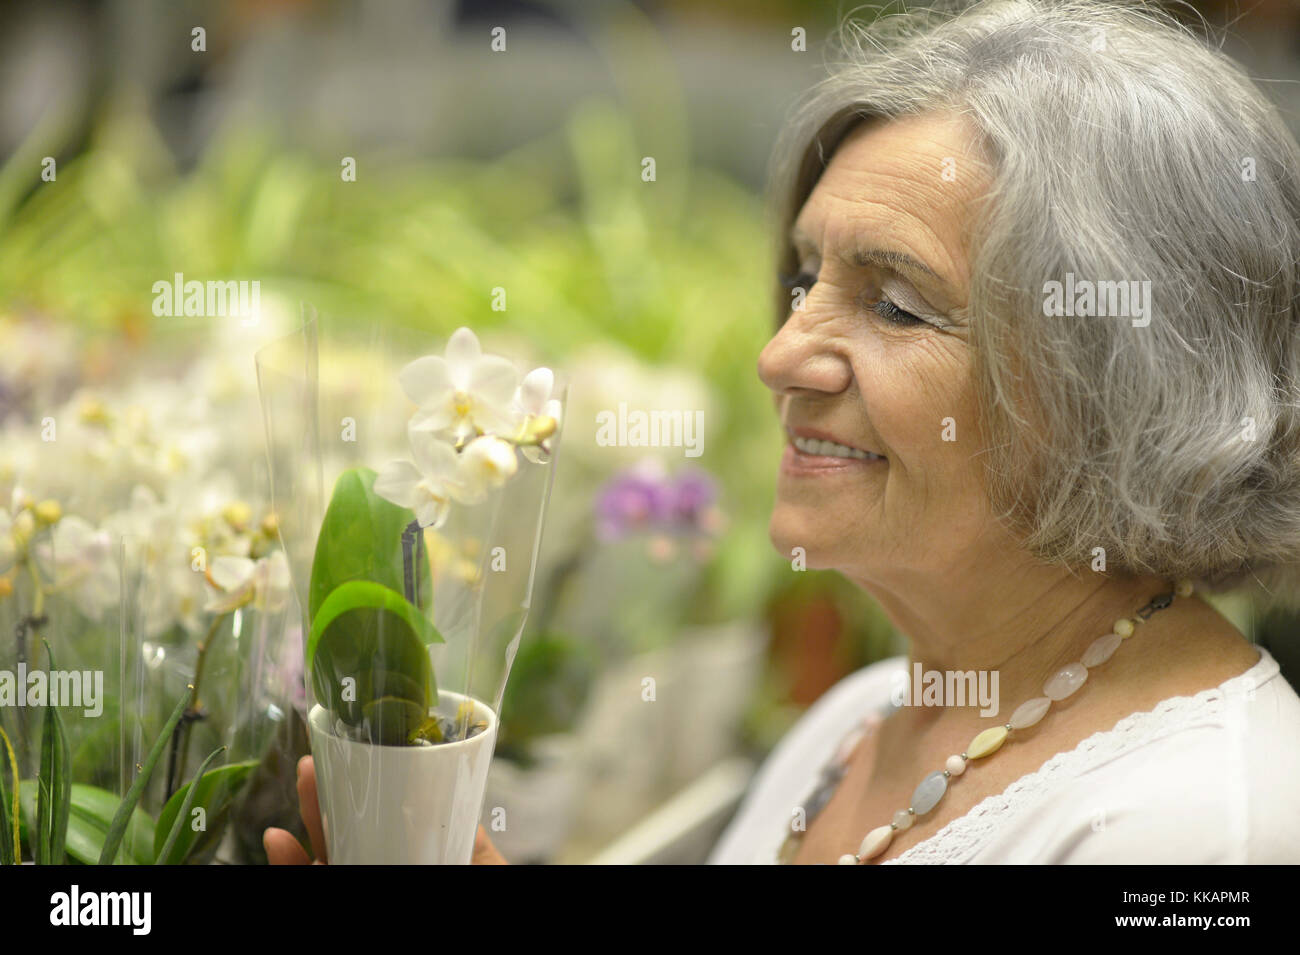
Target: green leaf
{"x":92,"y":811}
{"x":10,"y":843}
{"x":122,"y":818}
{"x":547,"y":690}
{"x":361,"y":539}
{"x":214,"y":792}
{"x":369,"y":661}
{"x":183,"y":814}
{"x":55,"y":793}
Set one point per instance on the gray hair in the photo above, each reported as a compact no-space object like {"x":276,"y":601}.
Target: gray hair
{"x":1122,"y":147}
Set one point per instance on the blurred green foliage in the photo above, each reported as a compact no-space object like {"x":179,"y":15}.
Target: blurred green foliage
{"x":548,"y":687}
{"x":674,"y":270}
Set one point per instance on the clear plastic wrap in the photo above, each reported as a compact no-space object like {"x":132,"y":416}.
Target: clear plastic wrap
{"x":410,"y":483}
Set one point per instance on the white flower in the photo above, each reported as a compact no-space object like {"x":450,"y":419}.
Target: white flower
{"x":465,"y":393}
{"x":78,"y":561}
{"x":145,"y":519}
{"x":264,"y":583}
{"x":428,"y":485}
{"x":533,"y":401}
{"x":168,"y":586}
{"x":16,"y":528}
{"x":487,"y":462}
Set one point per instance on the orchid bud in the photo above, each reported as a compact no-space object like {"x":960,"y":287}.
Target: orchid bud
{"x":489,"y":461}
{"x":93,"y":411}
{"x":536,"y":429}
{"x":237,"y":514}
{"x":48,"y":512}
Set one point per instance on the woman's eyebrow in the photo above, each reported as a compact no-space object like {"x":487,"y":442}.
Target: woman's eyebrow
{"x":888,"y":258}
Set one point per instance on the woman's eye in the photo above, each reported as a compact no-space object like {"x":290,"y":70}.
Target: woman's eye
{"x":895,"y":315}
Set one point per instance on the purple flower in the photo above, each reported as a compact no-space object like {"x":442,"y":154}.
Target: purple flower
{"x":631,"y":501}
{"x":695,"y":493}
{"x":644,"y":498}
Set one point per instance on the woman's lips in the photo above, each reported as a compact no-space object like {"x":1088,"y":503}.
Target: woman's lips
{"x":801,"y":463}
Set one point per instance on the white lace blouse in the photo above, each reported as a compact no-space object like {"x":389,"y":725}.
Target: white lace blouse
{"x":1210,"y":778}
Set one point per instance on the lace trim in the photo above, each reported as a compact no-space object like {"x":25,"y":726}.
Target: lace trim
{"x":963,"y":837}
{"x":958,"y":841}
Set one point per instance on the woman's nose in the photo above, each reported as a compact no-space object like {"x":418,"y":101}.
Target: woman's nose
{"x":800,"y":358}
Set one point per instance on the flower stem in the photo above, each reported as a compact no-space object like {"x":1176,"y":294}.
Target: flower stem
{"x":181,"y":735}
{"x":31,"y":623}
{"x":412,"y":540}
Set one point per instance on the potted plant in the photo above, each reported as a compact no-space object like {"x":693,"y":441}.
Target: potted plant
{"x":419,"y":579}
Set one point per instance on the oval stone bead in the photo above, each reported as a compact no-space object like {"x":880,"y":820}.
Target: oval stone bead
{"x":928,"y":794}
{"x":986,"y":743}
{"x":1066,"y":681}
{"x":875,"y":842}
{"x":1030,"y":712}
{"x":1101,"y":650}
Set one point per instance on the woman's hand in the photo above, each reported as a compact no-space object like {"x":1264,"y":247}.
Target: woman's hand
{"x":283,"y":849}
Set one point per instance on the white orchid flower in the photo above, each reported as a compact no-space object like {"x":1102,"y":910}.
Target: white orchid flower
{"x":532,"y":403}
{"x":172,"y":590}
{"x":17,"y":525}
{"x":429,"y":484}
{"x":78,"y":561}
{"x":464,"y":393}
{"x":487,"y":462}
{"x":264,"y":583}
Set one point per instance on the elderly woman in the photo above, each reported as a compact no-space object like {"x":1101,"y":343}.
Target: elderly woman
{"x":1036,"y":360}
{"x":1037,"y":364}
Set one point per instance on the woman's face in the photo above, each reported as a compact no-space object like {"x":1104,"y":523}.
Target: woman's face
{"x":876,"y":361}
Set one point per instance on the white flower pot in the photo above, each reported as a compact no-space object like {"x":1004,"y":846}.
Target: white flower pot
{"x":402,"y":805}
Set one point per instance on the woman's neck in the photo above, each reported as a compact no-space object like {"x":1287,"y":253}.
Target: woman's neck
{"x":1023,"y":624}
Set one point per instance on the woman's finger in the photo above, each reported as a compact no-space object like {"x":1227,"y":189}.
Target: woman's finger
{"x":309,"y":808}
{"x":283,"y":849}
{"x":484,"y":852}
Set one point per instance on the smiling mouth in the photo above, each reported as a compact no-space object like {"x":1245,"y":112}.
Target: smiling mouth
{"x":817,"y":447}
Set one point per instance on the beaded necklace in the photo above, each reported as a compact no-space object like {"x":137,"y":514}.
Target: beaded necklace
{"x":932,"y":788}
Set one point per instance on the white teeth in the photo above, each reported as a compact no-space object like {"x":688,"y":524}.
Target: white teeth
{"x":831,"y":449}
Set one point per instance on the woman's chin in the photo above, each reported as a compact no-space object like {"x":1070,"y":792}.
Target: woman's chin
{"x":799,"y":540}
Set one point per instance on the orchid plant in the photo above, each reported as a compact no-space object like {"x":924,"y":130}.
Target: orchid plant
{"x":370,"y":592}
{"x":58,"y":821}
{"x":143,"y":464}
